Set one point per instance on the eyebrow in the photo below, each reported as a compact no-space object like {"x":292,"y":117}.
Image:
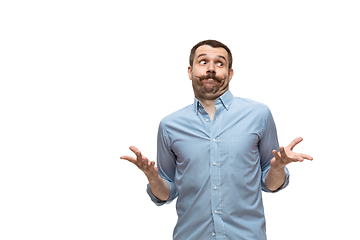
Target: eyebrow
{"x":204,"y":55}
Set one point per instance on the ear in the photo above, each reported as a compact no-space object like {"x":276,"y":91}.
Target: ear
{"x":231,"y":73}
{"x":190,"y":72}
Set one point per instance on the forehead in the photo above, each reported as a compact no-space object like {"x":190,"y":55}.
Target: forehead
{"x":211,"y":52}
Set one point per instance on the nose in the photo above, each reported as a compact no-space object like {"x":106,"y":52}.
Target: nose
{"x":211,"y":68}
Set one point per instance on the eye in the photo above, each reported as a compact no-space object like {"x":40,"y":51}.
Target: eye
{"x":202,"y":62}
{"x":220,"y":64}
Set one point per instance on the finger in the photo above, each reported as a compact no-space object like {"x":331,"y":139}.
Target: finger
{"x":307,"y":157}
{"x":297,"y":158}
{"x":135,"y":150}
{"x":276,"y":155}
{"x":137,"y":153}
{"x":144,"y":162}
{"x":283,"y":153}
{"x":152,"y":166}
{"x":295,"y":142}
{"x":149,"y":165}
{"x":130,"y":159}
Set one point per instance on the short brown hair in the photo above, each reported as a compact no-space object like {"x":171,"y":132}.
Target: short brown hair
{"x":214,"y":44}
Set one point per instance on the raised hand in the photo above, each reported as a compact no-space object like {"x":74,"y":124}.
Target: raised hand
{"x":286,"y":155}
{"x":158,"y":185}
{"x":148,"y":167}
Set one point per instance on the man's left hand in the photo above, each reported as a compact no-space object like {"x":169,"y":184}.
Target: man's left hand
{"x":286,"y":155}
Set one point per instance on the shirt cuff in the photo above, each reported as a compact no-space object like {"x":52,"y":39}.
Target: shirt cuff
{"x":285,"y":184}
{"x":158,"y":202}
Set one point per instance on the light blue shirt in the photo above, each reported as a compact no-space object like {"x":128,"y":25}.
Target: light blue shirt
{"x":217,"y":169}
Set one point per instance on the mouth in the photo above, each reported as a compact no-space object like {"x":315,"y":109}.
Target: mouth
{"x":208,"y":80}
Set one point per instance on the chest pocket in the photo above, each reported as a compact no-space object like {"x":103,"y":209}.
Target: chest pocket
{"x":243,"y":151}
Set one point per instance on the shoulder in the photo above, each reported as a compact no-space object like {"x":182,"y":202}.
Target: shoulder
{"x":259,"y":113}
{"x":251,"y":105}
{"x":178,"y":116}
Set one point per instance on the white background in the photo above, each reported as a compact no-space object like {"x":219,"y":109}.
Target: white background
{"x":81,"y":81}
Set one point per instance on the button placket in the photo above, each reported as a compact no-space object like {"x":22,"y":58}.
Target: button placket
{"x":215,"y":175}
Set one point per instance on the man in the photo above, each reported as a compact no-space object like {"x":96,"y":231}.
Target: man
{"x":216,"y":156}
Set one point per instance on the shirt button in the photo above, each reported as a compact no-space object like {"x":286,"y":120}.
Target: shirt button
{"x":214,"y":163}
{"x":207,"y":120}
{"x":215,"y":188}
{"x":215,"y":211}
{"x":214,"y":234}
{"x":214,"y":140}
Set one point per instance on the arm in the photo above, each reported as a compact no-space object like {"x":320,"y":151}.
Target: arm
{"x":157,"y":184}
{"x":275,"y":177}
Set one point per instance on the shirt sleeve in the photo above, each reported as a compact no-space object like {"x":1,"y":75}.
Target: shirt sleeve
{"x":166,"y":163}
{"x":268,"y":143}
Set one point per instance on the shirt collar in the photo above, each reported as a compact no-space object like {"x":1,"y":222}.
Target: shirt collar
{"x":226,"y":100}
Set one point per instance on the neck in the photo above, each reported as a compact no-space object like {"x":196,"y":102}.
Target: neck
{"x":209,"y":106}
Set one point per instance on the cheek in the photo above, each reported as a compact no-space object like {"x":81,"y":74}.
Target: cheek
{"x":223,"y":73}
{"x":224,"y":76}
{"x":196,"y":72}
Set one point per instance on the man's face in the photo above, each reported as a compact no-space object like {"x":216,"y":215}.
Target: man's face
{"x":210,"y":72}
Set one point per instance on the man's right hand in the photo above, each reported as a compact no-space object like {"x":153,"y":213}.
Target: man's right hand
{"x":158,"y":185}
{"x":148,"y":167}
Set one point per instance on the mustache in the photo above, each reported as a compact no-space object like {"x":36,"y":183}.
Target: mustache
{"x":210,"y":75}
